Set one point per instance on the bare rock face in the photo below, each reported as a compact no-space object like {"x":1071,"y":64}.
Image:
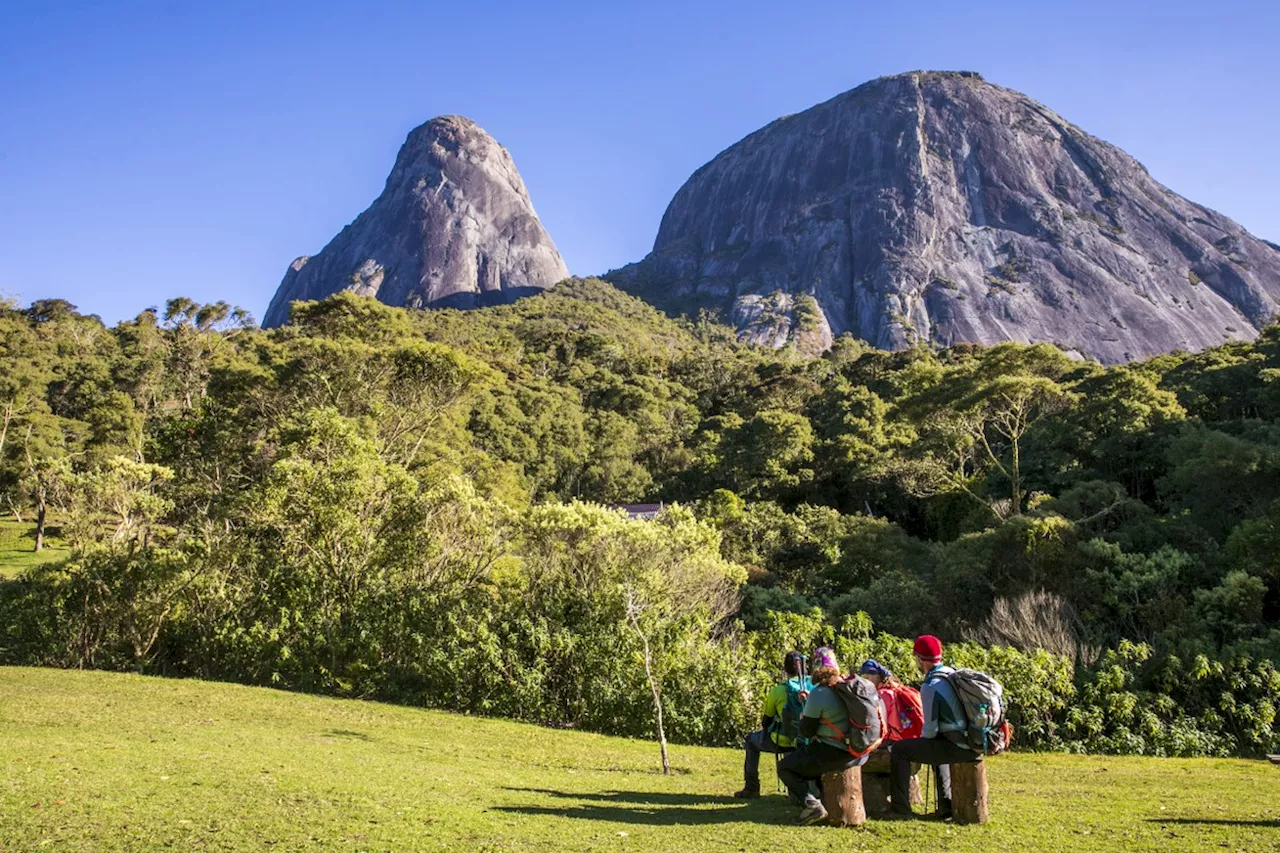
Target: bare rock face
{"x":454,"y":227}
{"x":935,"y":207}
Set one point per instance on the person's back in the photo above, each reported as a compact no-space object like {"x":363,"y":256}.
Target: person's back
{"x":786,"y":705}
{"x":903,"y":715}
{"x":832,"y":716}
{"x":943,"y":713}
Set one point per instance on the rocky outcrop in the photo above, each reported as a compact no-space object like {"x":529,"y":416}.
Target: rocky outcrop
{"x":936,"y":207}
{"x":454,"y":227}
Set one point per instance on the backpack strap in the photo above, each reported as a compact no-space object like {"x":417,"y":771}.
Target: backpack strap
{"x":844,"y":736}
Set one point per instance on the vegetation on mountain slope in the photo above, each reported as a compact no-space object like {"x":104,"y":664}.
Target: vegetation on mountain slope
{"x":404,"y":505}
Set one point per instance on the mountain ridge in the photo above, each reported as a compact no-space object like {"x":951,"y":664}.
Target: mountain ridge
{"x":894,"y":204}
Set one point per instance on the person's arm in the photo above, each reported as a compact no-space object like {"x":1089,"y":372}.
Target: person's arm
{"x":809,"y":728}
{"x":771,"y":707}
{"x":809,"y":718}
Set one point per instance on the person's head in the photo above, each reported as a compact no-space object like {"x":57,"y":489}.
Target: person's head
{"x":793,"y":664}
{"x":928,"y":652}
{"x":825,"y":656}
{"x":826,"y":669}
{"x":875,"y":672}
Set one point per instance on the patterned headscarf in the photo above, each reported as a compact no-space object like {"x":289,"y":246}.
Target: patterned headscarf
{"x":825,"y":657}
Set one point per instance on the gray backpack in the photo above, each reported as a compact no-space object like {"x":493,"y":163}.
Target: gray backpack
{"x":987,"y":730}
{"x":862,"y":703}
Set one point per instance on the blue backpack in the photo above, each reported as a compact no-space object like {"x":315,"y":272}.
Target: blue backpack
{"x":787,"y":724}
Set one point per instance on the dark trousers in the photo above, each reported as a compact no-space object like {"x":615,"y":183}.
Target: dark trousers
{"x":937,"y":751}
{"x":807,"y":763}
{"x":756,"y":743}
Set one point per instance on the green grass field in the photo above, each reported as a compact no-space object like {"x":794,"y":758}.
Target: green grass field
{"x":16,"y":544}
{"x":100,"y":761}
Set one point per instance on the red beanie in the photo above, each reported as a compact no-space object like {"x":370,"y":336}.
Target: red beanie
{"x":928,"y":647}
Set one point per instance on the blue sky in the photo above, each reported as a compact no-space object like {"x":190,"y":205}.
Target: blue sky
{"x":154,"y":149}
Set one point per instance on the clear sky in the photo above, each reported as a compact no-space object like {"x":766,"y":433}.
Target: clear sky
{"x":154,"y":149}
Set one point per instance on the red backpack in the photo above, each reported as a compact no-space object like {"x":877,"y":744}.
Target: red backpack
{"x":908,"y":716}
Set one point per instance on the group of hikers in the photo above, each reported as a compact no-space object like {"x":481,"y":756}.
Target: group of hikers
{"x":818,"y":720}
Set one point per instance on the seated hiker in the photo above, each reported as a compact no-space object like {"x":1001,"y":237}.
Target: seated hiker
{"x":831,"y":740}
{"x":942,"y":741}
{"x":903,"y":711}
{"x":779,"y":724}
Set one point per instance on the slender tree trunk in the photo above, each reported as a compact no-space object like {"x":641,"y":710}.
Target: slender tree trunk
{"x":1014,"y":475}
{"x":657,"y":704}
{"x":41,"y":511}
{"x":4,"y":425}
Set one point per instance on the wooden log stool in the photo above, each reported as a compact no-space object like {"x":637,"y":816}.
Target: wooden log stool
{"x":842,"y":797}
{"x":969,"y":792}
{"x":876,"y":784}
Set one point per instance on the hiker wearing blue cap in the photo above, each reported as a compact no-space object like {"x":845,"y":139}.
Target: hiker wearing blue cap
{"x":903,"y":711}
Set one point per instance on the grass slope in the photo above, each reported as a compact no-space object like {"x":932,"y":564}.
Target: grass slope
{"x":99,"y":761}
{"x":16,"y":544}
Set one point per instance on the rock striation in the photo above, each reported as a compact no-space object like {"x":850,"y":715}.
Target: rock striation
{"x":936,"y":207}
{"x":454,"y":227}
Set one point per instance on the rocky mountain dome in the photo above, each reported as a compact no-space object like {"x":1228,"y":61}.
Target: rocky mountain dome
{"x":936,"y":207}
{"x":454,"y":227}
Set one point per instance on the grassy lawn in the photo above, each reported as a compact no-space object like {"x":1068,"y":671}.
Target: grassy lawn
{"x":99,"y":761}
{"x":16,"y":544}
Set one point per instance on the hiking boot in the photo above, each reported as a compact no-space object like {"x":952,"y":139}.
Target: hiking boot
{"x":750,"y":791}
{"x":814,"y":812}
{"x":897,"y":815}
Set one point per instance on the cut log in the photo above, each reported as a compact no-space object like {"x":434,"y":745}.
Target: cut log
{"x":875,"y":792}
{"x":842,"y":797}
{"x":877,"y":763}
{"x":969,"y":792}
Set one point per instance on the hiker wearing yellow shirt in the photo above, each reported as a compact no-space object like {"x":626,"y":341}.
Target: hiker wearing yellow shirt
{"x":779,"y":724}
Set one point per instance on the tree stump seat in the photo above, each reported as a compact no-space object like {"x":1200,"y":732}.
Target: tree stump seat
{"x":842,"y":797}
{"x":969,"y":792}
{"x":876,"y":786}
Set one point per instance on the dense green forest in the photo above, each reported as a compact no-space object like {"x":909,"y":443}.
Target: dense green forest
{"x":412,"y":506}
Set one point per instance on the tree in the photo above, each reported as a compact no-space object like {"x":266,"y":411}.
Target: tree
{"x":48,"y":445}
{"x":194,"y":334}
{"x":767,"y":454}
{"x":655,"y":580}
{"x":973,"y":423}
{"x":1004,"y":409}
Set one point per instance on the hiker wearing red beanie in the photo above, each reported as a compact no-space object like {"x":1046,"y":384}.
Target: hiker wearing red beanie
{"x":942,"y":743}
{"x":928,"y":648}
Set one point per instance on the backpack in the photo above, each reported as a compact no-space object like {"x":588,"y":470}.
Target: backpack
{"x":982,"y":698}
{"x":787,"y":724}
{"x":910,"y":714}
{"x":862,"y":703}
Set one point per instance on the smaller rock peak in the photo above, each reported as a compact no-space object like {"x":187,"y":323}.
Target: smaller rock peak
{"x":452,"y":122}
{"x":452,"y":127}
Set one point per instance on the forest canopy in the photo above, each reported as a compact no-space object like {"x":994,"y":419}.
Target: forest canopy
{"x":415,"y":506}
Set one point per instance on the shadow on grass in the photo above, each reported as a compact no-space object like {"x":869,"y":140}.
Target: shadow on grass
{"x":649,"y":798}
{"x":664,"y":809}
{"x":1211,"y":821}
{"x":343,"y":733}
